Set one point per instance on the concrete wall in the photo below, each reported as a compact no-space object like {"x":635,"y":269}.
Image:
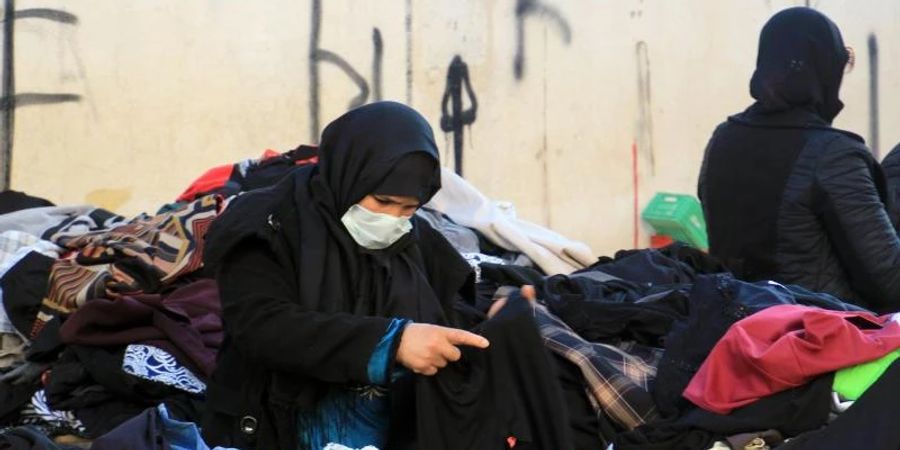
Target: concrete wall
{"x":585,"y":107}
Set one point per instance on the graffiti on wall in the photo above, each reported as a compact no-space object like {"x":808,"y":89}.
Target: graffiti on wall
{"x":873,"y":96}
{"x":644,"y":135}
{"x":10,"y":99}
{"x":318,"y":55}
{"x":535,"y":8}
{"x":453,"y":117}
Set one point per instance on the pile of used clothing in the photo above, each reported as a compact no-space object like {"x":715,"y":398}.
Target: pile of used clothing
{"x":109,"y":330}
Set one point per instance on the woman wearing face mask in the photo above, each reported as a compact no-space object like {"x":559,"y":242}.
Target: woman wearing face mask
{"x":332,"y":292}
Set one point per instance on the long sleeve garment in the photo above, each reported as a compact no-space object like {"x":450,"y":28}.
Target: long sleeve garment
{"x":790,"y":198}
{"x":786,"y":346}
{"x":270,"y":329}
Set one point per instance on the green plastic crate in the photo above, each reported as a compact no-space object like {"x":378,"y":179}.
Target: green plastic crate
{"x":678,"y":216}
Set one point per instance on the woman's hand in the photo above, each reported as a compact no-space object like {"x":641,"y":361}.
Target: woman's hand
{"x":528,"y":293}
{"x":425,"y":348}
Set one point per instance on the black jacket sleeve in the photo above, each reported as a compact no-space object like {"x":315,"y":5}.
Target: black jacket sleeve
{"x":857,"y":223}
{"x":269,"y":328}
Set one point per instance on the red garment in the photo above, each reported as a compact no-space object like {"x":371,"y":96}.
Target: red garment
{"x":216,"y":177}
{"x":211,"y":180}
{"x":783,"y":347}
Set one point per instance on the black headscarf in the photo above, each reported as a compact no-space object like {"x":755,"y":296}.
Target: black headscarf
{"x":412,"y":176}
{"x":800,"y":65}
{"x":361,"y":148}
{"x":416,"y":278}
{"x":358,"y":152}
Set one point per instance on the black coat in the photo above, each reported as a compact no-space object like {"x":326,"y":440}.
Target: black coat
{"x":277,"y":356}
{"x":303,"y":305}
{"x":786,"y":196}
{"x":891,"y":167}
{"x":801,"y":205}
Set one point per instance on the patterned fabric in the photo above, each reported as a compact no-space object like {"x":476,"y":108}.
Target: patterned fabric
{"x":618,"y":381}
{"x":70,"y":286}
{"x":170,"y":244}
{"x":140,"y":256}
{"x":51,"y":422}
{"x":156,"y":364}
{"x":96,"y":220}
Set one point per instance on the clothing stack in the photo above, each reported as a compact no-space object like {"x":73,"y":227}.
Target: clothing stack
{"x":110,"y":328}
{"x":674,"y":352}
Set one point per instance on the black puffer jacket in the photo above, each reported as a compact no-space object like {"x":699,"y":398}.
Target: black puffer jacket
{"x":891,"y":167}
{"x":786,"y":196}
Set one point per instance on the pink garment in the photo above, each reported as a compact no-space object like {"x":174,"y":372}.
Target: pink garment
{"x":783,"y":347}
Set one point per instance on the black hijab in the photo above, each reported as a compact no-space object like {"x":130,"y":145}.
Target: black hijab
{"x":800,"y":65}
{"x":358,"y":152}
{"x":416,"y":278}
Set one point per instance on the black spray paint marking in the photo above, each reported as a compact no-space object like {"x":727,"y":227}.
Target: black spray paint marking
{"x":30,"y":98}
{"x":378,"y":46}
{"x":47,"y":14}
{"x":318,"y":55}
{"x":409,"y":52}
{"x":455,"y":118}
{"x":314,"y":31}
{"x":874,"y":112}
{"x":645,"y":106}
{"x":524,"y":9}
{"x":358,"y":80}
{"x":10,"y":100}
{"x":9,"y":89}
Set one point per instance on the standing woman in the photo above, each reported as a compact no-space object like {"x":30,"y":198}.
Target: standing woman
{"x":789,"y":197}
{"x":327,"y":281}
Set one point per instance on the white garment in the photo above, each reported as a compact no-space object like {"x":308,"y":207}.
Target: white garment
{"x":333,"y":446}
{"x":465,"y":205}
{"x":15,"y":245}
{"x":155,"y":364}
{"x":38,"y":220}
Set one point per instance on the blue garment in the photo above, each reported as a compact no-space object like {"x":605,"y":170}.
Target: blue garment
{"x":381,"y":359}
{"x":182,"y":435}
{"x":356,"y":417}
{"x":153,"y":429}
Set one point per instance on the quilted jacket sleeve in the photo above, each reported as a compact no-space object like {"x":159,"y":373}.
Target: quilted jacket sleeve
{"x":851,"y":193}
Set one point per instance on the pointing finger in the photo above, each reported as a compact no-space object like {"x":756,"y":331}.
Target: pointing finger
{"x":462,"y":337}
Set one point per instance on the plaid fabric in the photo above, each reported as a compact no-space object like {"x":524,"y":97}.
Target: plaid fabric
{"x":617,"y":381}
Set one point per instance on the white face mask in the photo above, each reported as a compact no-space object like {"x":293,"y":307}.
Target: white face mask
{"x":375,"y":231}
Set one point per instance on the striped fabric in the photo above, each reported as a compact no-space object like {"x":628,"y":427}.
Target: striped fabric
{"x":170,"y":244}
{"x":141,"y":256}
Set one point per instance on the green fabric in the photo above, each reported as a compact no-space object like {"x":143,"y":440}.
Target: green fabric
{"x":851,"y":382}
